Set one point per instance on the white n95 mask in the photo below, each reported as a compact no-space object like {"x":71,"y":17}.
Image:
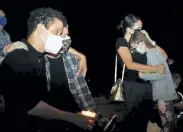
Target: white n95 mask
{"x":141,"y":48}
{"x":53,"y":44}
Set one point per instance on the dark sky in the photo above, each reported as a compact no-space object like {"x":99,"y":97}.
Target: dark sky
{"x":93,"y":29}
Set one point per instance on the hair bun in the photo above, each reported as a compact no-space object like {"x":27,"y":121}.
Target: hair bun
{"x":120,"y":26}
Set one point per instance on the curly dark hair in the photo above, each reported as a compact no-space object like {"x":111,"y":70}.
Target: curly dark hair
{"x":44,"y":16}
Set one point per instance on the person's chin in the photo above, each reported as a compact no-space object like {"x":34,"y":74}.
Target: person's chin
{"x":1,"y":27}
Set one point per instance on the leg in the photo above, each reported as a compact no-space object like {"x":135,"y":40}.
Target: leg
{"x":153,"y":117}
{"x":154,"y":123}
{"x":133,"y":93}
{"x":166,"y":111}
{"x":43,"y":125}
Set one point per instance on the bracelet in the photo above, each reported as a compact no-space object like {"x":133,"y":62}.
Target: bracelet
{"x":153,"y":43}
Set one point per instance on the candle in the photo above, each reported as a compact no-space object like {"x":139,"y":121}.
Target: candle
{"x":88,"y":113}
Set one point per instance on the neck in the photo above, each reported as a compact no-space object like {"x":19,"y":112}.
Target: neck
{"x":127,"y":36}
{"x":53,"y":56}
{"x":36,"y":43}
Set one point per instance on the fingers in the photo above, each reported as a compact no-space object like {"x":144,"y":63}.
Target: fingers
{"x":16,"y":46}
{"x":79,"y":71}
{"x":91,"y":121}
{"x":143,"y":31}
{"x":85,"y":71}
{"x":163,"y":70}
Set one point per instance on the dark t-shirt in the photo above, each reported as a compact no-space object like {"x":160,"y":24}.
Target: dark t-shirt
{"x":60,"y":95}
{"x":23,"y":81}
{"x":131,"y":75}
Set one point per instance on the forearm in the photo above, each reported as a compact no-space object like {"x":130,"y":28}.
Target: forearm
{"x":142,"y":68}
{"x":152,"y":76}
{"x":76,"y":53}
{"x":46,"y":111}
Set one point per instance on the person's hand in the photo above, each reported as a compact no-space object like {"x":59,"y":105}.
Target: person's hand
{"x":140,"y":74}
{"x":161,"y":68}
{"x":146,"y":34}
{"x":17,"y":45}
{"x":82,"y":121}
{"x":82,"y":66}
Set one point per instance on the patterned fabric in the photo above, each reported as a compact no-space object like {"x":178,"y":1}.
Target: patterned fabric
{"x":166,"y":112}
{"x":4,"y":40}
{"x":77,"y":84}
{"x":48,"y":75}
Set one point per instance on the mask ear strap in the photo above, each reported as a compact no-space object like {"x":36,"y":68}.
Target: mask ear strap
{"x":44,"y":34}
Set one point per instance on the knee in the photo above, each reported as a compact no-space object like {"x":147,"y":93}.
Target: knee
{"x":162,"y":106}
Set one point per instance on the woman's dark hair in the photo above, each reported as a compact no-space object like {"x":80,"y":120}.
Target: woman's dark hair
{"x":128,"y":21}
{"x":137,"y":37}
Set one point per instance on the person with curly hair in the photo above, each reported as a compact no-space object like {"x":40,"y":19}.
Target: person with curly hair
{"x":24,"y":76}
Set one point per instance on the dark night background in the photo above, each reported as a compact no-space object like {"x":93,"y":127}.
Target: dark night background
{"x":93,"y":29}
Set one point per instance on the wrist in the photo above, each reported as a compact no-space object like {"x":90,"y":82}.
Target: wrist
{"x":158,"y":70}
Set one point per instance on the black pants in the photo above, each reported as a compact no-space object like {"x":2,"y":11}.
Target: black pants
{"x":35,"y":124}
{"x":138,"y":106}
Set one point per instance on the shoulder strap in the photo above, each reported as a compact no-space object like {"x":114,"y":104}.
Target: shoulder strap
{"x":115,"y":71}
{"x":123,"y":72}
{"x":115,"y":74}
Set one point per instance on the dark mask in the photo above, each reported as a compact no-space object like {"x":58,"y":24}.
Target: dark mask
{"x":3,"y":20}
{"x":66,"y":44}
{"x":137,"y":30}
